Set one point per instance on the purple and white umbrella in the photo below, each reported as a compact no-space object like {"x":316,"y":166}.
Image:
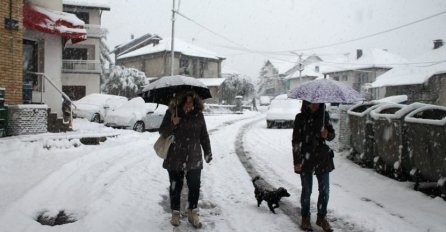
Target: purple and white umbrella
{"x":325,"y":91}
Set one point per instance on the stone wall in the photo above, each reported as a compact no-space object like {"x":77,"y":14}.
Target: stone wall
{"x":27,"y":119}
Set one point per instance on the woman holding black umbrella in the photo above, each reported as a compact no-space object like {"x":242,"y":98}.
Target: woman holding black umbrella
{"x":184,"y":119}
{"x":312,"y":156}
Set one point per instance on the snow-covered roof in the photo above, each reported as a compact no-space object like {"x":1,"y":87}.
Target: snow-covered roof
{"x":180,"y":46}
{"x":373,"y":58}
{"x":393,"y":99}
{"x":55,"y":16}
{"x":102,"y":4}
{"x":309,"y":70}
{"x":212,"y":81}
{"x":414,"y":73}
{"x":282,"y":66}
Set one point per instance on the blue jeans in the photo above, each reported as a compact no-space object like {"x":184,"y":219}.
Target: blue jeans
{"x":324,"y":190}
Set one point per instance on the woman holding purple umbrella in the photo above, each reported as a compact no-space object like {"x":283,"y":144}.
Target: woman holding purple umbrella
{"x":312,"y":156}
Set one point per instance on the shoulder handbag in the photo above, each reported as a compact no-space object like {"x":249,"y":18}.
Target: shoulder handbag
{"x":323,"y":159}
{"x":162,"y":145}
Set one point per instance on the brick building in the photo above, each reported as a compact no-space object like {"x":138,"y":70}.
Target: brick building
{"x":11,"y":34}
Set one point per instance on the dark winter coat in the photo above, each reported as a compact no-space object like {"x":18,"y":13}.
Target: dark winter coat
{"x":190,"y":136}
{"x":307,"y":142}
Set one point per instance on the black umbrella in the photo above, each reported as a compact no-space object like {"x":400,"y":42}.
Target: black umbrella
{"x":164,"y":89}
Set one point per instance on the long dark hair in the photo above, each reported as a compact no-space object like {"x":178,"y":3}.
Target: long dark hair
{"x":180,"y":99}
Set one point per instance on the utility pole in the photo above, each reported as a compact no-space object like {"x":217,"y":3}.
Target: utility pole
{"x":301,"y":68}
{"x":172,"y":47}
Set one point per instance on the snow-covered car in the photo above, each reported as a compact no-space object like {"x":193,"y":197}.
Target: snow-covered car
{"x":137,"y":115}
{"x":96,"y":106}
{"x":264,"y":100}
{"x":282,"y":111}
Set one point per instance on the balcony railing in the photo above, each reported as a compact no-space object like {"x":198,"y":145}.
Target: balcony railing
{"x":94,"y":30}
{"x":81,"y":66}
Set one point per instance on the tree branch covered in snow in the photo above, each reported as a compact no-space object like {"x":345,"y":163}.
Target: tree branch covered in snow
{"x":124,"y":81}
{"x":236,"y":85}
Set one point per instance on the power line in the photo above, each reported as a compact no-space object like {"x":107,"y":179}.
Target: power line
{"x":341,"y":42}
{"x":213,"y":32}
{"x":240,"y":47}
{"x":429,"y":63}
{"x":370,"y":35}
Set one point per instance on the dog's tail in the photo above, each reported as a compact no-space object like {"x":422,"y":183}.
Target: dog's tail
{"x":254,"y":180}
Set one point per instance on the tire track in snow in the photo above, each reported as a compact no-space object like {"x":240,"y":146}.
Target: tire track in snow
{"x":290,"y":208}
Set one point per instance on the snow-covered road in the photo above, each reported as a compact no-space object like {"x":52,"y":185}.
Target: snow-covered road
{"x":120,"y":185}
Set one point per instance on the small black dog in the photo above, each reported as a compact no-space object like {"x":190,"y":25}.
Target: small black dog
{"x":264,"y":193}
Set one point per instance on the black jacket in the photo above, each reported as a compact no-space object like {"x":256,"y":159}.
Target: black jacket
{"x":190,"y":136}
{"x":307,"y":142}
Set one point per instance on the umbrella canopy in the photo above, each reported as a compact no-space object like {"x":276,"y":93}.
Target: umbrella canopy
{"x":325,"y":91}
{"x":165,"y":88}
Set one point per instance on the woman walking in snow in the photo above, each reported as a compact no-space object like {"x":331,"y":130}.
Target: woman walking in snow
{"x":312,"y":156}
{"x":184,"y":119}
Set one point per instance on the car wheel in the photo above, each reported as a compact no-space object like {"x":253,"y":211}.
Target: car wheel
{"x":139,"y":126}
{"x":96,"y":118}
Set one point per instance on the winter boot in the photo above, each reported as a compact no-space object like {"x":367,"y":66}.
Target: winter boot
{"x":306,"y":224}
{"x":192,"y":216}
{"x":322,"y":222}
{"x":175,"y":220}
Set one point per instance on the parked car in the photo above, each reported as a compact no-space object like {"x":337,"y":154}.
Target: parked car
{"x":282,"y":111}
{"x":96,"y":106}
{"x":137,"y":115}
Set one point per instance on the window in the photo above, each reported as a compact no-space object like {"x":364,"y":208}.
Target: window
{"x":184,"y":66}
{"x":75,"y":54}
{"x":203,"y":66}
{"x":344,"y":78}
{"x":84,"y":16}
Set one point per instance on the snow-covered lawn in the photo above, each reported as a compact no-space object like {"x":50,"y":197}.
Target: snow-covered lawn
{"x":120,"y":185}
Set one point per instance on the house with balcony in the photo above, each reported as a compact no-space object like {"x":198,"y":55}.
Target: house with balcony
{"x":360,"y":69}
{"x":423,"y":79}
{"x":81,"y":65}
{"x":151,"y":54}
{"x":31,"y":63}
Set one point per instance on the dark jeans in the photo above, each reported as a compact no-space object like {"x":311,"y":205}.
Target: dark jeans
{"x":193,"y":179}
{"x":324,"y":190}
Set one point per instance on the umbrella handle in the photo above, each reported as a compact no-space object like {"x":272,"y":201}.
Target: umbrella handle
{"x":323,"y":119}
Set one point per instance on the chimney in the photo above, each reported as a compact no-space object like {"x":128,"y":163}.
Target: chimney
{"x":438,"y":43}
{"x":132,"y":36}
{"x":358,"y":53}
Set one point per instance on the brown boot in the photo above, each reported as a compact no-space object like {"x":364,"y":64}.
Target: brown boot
{"x":322,"y":222}
{"x":306,"y":224}
{"x":175,"y":220}
{"x":192,"y":216}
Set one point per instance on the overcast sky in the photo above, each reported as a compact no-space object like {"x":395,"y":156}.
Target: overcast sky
{"x":256,"y":29}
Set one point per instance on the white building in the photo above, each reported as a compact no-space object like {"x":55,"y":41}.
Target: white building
{"x":81,"y":65}
{"x":46,"y":29}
